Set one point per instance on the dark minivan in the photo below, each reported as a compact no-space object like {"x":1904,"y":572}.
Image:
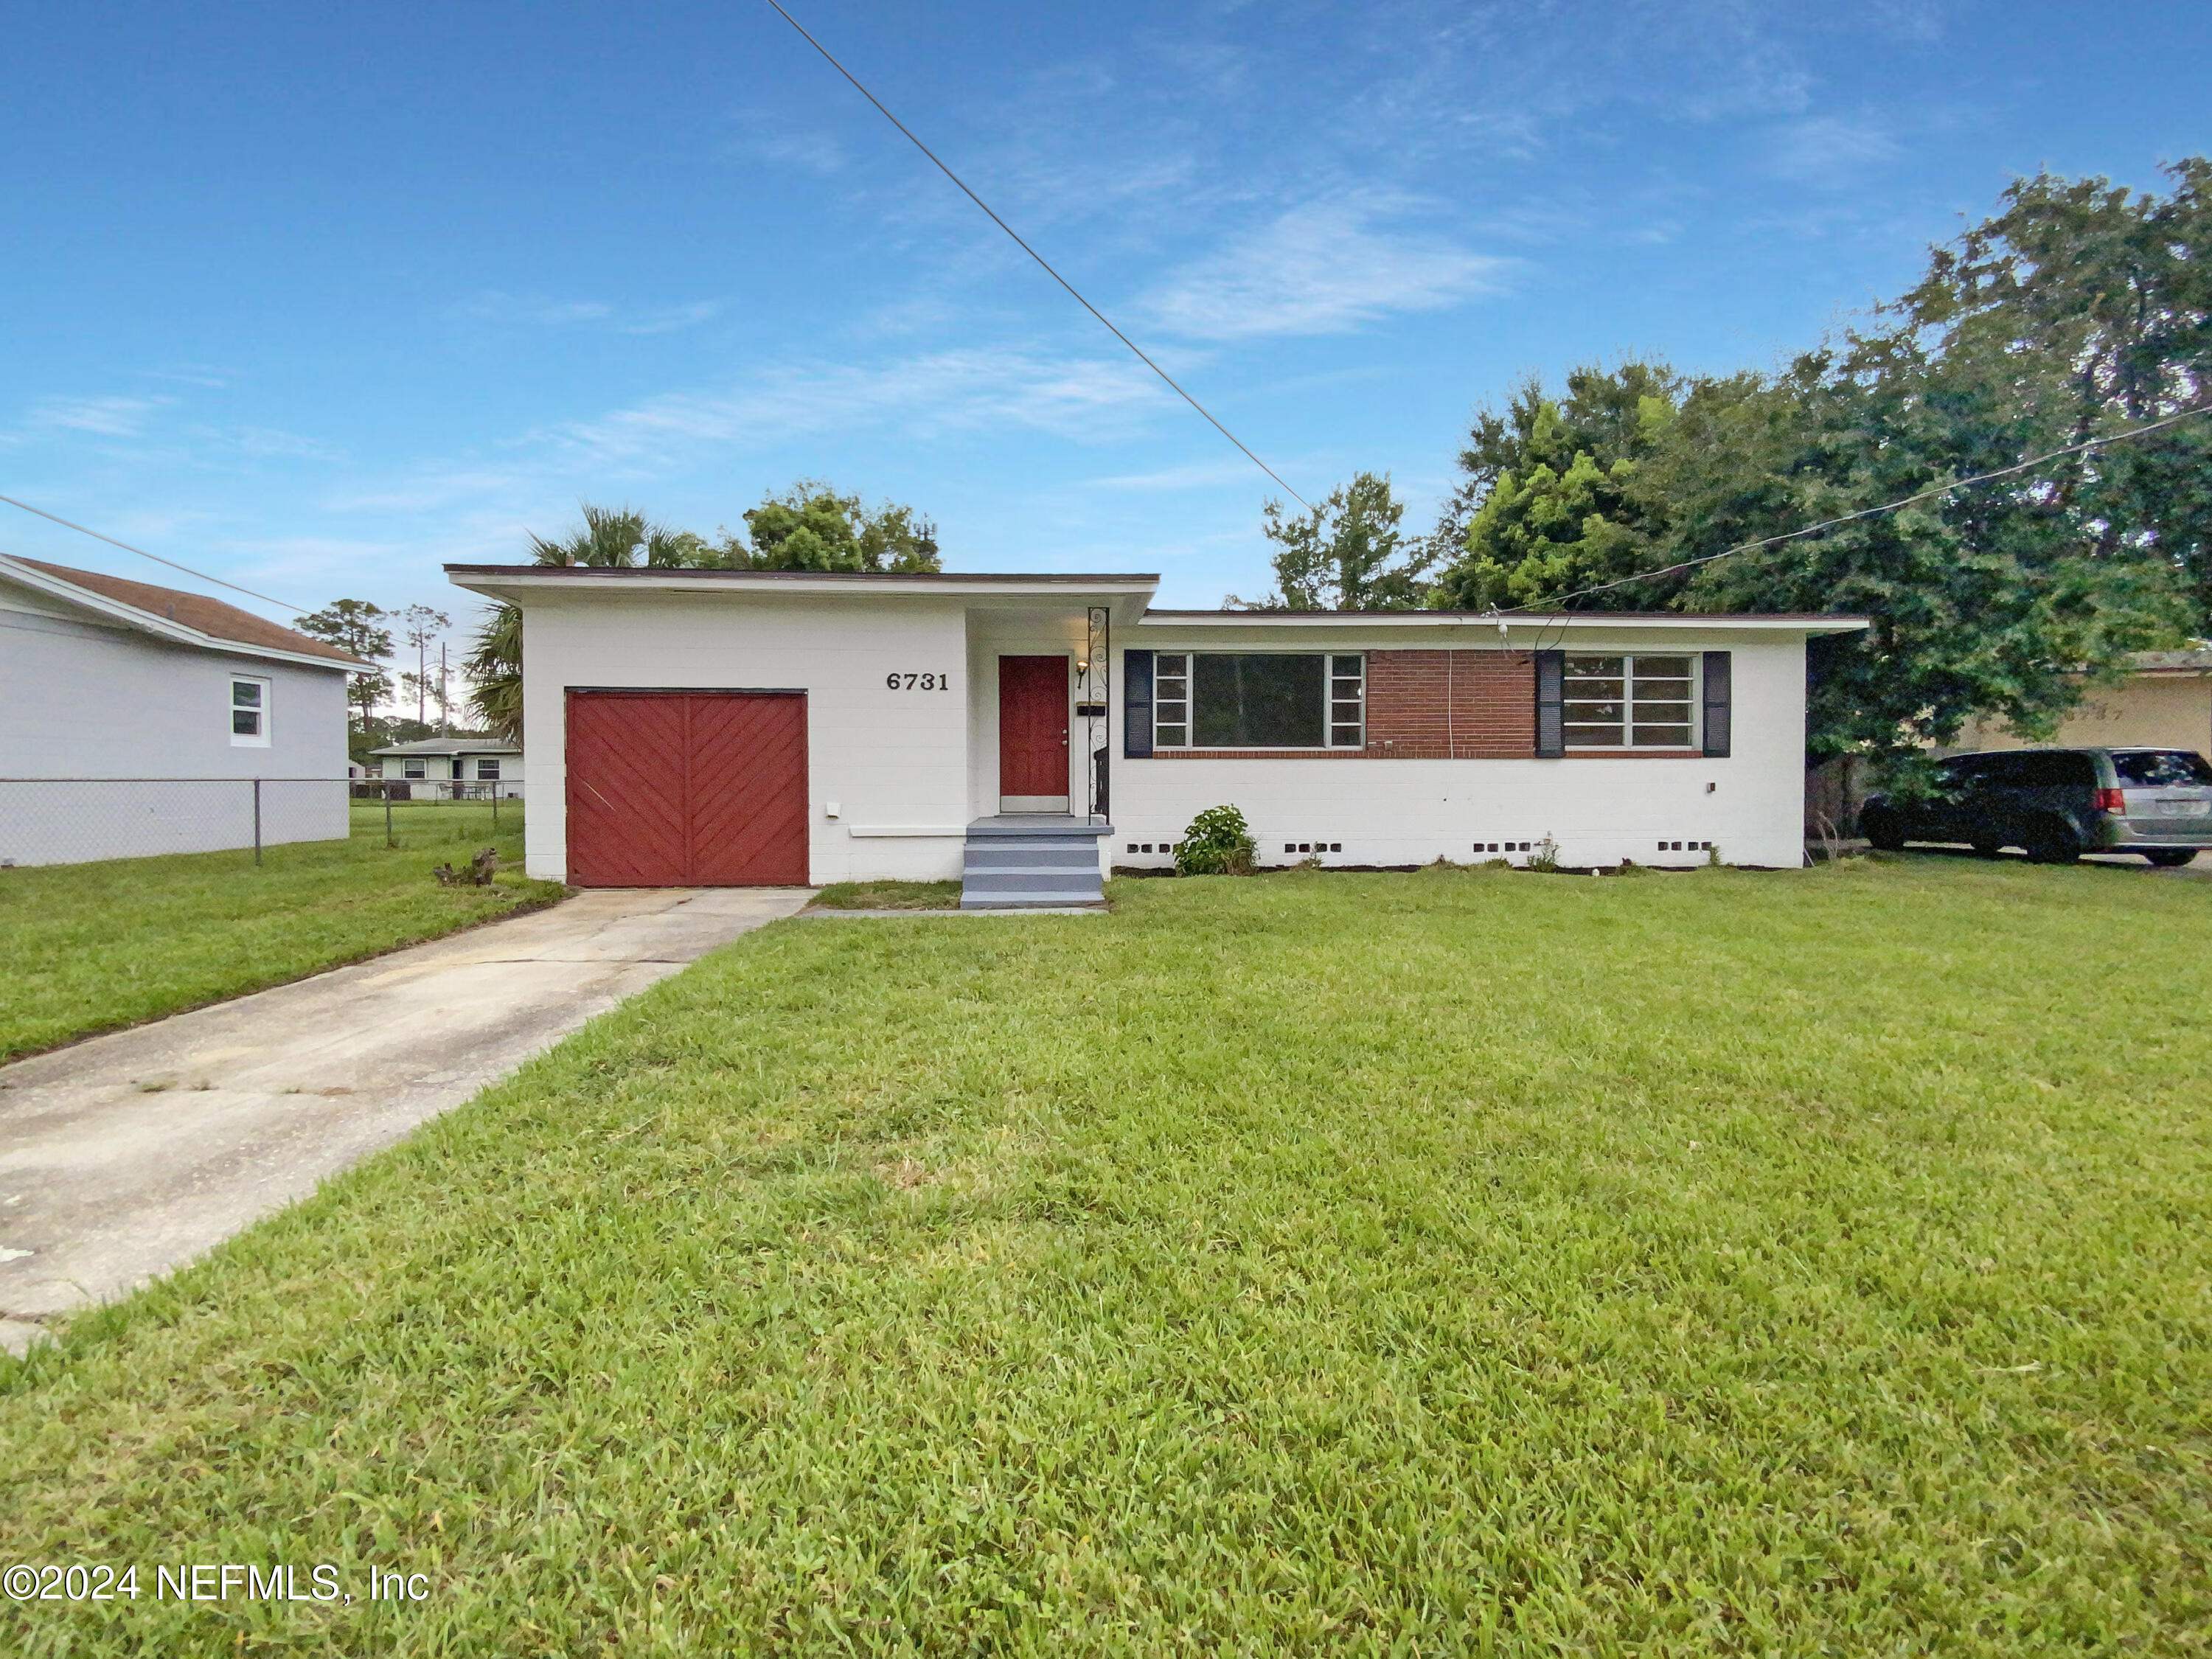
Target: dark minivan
{"x":2057,"y":803}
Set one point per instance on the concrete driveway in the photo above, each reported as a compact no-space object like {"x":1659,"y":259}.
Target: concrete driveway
{"x":128,"y":1155}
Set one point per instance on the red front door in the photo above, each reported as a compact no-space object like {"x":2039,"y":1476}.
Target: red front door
{"x":1033,"y":726}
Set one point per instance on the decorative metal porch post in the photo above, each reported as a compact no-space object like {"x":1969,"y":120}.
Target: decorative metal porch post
{"x":1096,"y":708}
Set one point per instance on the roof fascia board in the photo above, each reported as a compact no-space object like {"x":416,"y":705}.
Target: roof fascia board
{"x":489,"y":578}
{"x":147,"y":621}
{"x":1579,"y":621}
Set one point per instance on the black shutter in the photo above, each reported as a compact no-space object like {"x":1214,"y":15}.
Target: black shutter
{"x":1716,"y":678}
{"x":1137,"y":703}
{"x":1551,"y":711}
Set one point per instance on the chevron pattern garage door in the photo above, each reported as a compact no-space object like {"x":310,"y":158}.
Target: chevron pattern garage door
{"x":687,"y":789}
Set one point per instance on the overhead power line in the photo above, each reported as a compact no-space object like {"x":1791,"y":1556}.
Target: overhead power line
{"x":66,"y":524}
{"x":1929,"y":494}
{"x":1043,"y":262}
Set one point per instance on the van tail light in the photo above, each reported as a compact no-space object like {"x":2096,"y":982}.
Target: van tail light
{"x":2113,"y":801}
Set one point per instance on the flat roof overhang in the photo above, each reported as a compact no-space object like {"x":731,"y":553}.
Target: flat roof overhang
{"x":1124,"y":593}
{"x":1523,"y":623}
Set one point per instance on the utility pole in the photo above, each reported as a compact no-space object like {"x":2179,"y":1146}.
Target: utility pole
{"x":445,"y":709}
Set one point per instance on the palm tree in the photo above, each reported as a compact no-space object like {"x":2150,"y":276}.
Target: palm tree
{"x":609,"y":537}
{"x":809,"y":527}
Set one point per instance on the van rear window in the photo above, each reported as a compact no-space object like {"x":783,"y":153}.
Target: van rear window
{"x":2149,"y":768}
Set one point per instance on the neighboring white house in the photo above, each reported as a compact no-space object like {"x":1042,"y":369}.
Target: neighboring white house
{"x":138,"y":718}
{"x":432,"y":767}
{"x":727,"y":728}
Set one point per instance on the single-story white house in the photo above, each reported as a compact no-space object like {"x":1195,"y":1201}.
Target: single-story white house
{"x":145,"y":720}
{"x":1027,"y":733}
{"x":432,"y":767}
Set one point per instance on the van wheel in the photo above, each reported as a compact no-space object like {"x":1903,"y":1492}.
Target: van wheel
{"x":1883,"y":832}
{"x":2171,"y":857}
{"x":2053,"y":841}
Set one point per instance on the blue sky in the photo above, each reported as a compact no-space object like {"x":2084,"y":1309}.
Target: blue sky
{"x":318,"y":298}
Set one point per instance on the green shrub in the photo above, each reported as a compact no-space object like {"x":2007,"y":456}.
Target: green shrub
{"x":1218,"y":843}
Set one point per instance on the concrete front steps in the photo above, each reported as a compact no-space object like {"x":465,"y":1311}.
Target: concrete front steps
{"x":1032,"y":861}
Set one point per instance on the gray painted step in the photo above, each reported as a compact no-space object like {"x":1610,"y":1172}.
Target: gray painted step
{"x":1023,"y":861}
{"x":1026,"y":881}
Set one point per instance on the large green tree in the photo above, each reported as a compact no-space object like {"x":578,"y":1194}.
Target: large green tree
{"x":809,"y":527}
{"x":1346,"y":554}
{"x":1985,"y":601}
{"x":2078,"y":311}
{"x":813,"y":526}
{"x":1546,"y":500}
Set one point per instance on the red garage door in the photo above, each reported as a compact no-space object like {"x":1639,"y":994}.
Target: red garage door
{"x":687,"y":789}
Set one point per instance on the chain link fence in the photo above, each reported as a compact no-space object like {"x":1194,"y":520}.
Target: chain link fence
{"x":78,"y":820}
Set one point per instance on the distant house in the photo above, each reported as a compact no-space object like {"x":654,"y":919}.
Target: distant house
{"x":437,"y":768}
{"x":2165,"y":703}
{"x":139,"y":719}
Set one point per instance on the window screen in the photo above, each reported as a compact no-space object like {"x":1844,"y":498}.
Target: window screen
{"x":1623,"y":702}
{"x":488,"y":769}
{"x":1251,"y":701}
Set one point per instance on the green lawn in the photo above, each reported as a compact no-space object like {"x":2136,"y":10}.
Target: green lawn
{"x":1459,"y":1262}
{"x":889,"y":896}
{"x":89,"y":947}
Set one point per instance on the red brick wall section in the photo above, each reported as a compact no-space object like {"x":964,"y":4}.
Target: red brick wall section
{"x":1451,"y":705}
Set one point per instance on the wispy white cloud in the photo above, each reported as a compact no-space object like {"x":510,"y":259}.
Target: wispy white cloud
{"x":667,"y":320}
{"x":1201,"y":475}
{"x":107,"y":417}
{"x":1830,"y":151}
{"x":539,"y":310}
{"x":543,"y":310}
{"x":1071,"y":395}
{"x":1090,"y":398}
{"x":268,"y":443}
{"x":1324,"y":268}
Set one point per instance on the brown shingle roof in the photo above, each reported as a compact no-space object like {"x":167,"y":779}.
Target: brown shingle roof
{"x":196,"y":611}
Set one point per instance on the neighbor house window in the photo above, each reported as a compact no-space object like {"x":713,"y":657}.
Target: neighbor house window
{"x":1629,"y":702}
{"x":1258,"y":700}
{"x":488,"y":769}
{"x":249,"y":713}
{"x":413,"y":769}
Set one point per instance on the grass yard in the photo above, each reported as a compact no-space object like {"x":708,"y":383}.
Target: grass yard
{"x":1813,"y":1263}
{"x":90,"y":947}
{"x":889,"y":896}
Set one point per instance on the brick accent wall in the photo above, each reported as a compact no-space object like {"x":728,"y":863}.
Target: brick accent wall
{"x":1451,"y":705}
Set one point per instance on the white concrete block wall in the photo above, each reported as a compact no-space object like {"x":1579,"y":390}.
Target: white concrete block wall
{"x":1597,"y":810}
{"x":895,"y":763}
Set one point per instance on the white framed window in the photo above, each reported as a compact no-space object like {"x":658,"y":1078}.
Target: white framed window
{"x":1171,"y":700}
{"x":1642,"y":702}
{"x":249,"y":712}
{"x":412,"y":769}
{"x":1258,"y":699}
{"x":488,"y":769}
{"x":1347,"y":701}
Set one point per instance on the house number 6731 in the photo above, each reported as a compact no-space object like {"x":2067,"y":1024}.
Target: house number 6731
{"x":918,"y":682}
